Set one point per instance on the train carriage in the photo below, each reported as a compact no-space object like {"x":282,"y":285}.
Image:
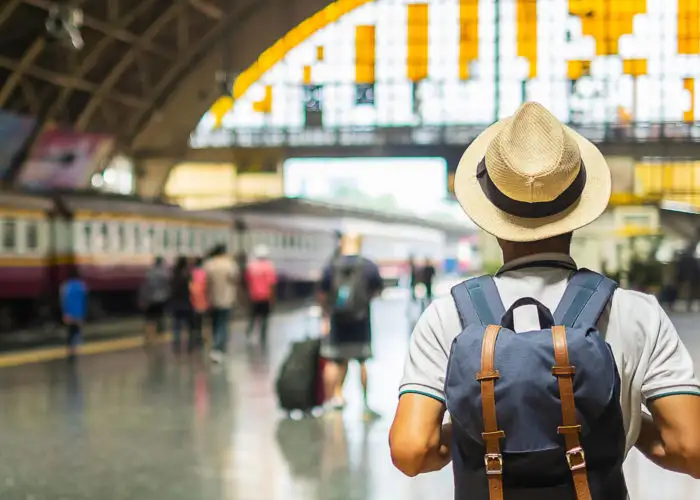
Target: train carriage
{"x":111,"y":241}
{"x":26,"y":257}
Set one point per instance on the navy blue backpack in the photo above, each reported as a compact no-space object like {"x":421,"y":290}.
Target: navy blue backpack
{"x":536,"y":415}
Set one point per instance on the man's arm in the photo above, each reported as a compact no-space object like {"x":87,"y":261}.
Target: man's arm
{"x":419,"y":441}
{"x":670,"y":436}
{"x":664,"y":442}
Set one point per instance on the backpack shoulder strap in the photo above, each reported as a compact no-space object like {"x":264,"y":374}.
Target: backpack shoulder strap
{"x":584,"y":300}
{"x":478,"y":301}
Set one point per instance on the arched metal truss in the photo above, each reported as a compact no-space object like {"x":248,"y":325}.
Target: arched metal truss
{"x":135,"y":53}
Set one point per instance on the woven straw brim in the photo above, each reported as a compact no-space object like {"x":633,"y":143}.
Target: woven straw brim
{"x":593,"y":202}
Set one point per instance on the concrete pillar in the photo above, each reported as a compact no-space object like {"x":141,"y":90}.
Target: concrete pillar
{"x":151,"y":176}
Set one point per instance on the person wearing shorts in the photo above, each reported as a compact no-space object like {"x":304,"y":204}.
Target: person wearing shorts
{"x":347,"y":339}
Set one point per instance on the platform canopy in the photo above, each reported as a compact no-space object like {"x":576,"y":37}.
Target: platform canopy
{"x":144,"y":70}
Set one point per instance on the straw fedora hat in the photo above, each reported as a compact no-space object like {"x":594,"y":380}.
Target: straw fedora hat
{"x":528,"y":177}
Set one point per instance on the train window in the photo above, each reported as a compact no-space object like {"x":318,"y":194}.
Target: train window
{"x":32,"y":235}
{"x":179,"y":244}
{"x":87,"y":233}
{"x":166,"y":239}
{"x":151,"y":239}
{"x":138,"y":241}
{"x":9,"y":238}
{"x":121,"y":237}
{"x":192,"y":240}
{"x":103,"y":237}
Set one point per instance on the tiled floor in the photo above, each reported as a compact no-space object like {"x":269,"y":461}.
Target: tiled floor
{"x":137,"y":427}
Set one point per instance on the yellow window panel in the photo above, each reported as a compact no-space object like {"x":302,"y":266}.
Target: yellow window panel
{"x":689,"y":86}
{"x":634,"y":67}
{"x":468,"y":35}
{"x":607,"y":20}
{"x":578,"y":69}
{"x":417,"y":59}
{"x":688,"y":26}
{"x":264,"y":105}
{"x":365,"y":54}
{"x":526,"y":20}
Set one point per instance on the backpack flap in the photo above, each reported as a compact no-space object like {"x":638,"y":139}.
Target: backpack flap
{"x":527,"y":393}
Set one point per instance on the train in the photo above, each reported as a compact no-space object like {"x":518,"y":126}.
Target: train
{"x":111,"y":240}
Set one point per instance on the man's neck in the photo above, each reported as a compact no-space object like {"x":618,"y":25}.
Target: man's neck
{"x":512,"y":251}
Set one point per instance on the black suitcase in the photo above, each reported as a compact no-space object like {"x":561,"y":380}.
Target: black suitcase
{"x":298,"y":378}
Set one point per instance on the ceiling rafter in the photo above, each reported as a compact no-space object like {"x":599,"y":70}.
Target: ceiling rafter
{"x":73,"y":82}
{"x":119,"y":69}
{"x":105,"y":28}
{"x":24,"y":65}
{"x":7,"y":10}
{"x":240,"y":14}
{"x":94,"y":56}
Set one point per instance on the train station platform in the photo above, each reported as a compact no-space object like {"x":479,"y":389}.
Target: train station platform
{"x":135,"y":425}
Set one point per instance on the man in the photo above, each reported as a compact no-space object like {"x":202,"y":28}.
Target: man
{"x":427,"y":275}
{"x":261,"y":280}
{"x":154,"y":296}
{"x":348,"y":285}
{"x":74,"y":309}
{"x":531,"y":182}
{"x":222,"y":284}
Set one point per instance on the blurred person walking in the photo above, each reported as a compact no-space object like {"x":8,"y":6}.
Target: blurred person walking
{"x":74,"y":309}
{"x":199,"y":301}
{"x":261,"y":280}
{"x":180,"y":304}
{"x":223,"y":283}
{"x":347,"y":287}
{"x":154,"y":296}
{"x":427,"y":275}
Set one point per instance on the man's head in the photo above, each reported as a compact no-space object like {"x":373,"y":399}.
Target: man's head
{"x":261,"y":252}
{"x":531,"y":181}
{"x":351,"y":244}
{"x":218,"y":250}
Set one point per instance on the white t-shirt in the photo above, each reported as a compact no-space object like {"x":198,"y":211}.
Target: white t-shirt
{"x":651,"y":358}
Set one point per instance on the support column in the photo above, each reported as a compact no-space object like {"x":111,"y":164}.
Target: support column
{"x":151,"y":176}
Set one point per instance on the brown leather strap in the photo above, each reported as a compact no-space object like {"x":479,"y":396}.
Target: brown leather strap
{"x":493,"y":460}
{"x":570,"y":428}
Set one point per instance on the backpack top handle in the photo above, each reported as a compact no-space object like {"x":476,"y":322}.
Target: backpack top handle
{"x":543,"y":313}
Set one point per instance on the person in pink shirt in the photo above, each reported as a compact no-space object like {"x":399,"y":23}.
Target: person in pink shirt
{"x":261,"y":278}
{"x":200,"y":303}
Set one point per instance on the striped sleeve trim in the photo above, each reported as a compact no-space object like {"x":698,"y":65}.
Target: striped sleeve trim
{"x":683,"y":392}
{"x":423,"y":391}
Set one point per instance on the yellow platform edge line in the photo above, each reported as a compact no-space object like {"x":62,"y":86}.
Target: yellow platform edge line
{"x":40,"y":355}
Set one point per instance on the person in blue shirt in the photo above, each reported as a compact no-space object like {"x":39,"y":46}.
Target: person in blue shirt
{"x":74,"y":309}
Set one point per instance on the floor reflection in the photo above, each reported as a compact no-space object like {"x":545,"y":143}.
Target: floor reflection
{"x":146,"y":425}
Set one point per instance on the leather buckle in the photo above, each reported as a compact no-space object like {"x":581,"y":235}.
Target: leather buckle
{"x":493,"y":463}
{"x":578,"y":454}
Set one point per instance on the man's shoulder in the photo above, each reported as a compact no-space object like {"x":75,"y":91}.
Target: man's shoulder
{"x":441,"y":319}
{"x":635,"y":316}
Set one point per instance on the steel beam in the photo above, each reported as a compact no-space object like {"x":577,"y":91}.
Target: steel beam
{"x":73,"y":82}
{"x":124,"y":63}
{"x":105,"y":28}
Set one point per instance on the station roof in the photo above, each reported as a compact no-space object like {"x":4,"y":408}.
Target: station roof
{"x":136,"y":55}
{"x":299,"y":206}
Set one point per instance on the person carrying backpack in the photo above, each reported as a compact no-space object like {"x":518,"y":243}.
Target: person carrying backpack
{"x":348,"y":285}
{"x":543,"y":369}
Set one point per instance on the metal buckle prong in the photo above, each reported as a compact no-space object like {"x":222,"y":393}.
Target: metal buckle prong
{"x":576,"y":452}
{"x":493,"y":459}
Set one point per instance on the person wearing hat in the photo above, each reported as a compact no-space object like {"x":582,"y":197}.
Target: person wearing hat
{"x":530,"y":181}
{"x":261,"y":280}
